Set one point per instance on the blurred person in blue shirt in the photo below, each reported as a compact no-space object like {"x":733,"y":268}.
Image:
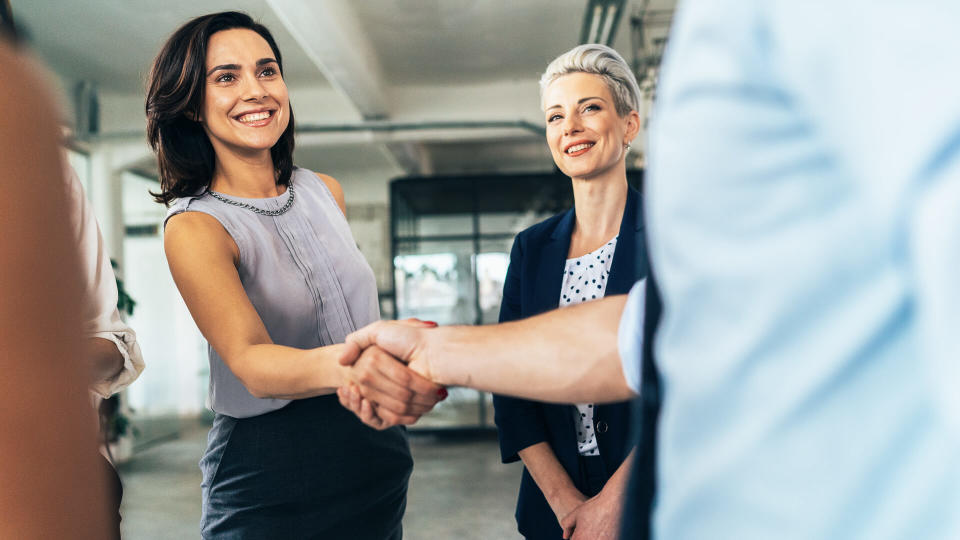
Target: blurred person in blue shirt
{"x":804,"y":207}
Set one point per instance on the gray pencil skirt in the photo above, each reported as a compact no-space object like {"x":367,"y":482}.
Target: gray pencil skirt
{"x":308,"y":471}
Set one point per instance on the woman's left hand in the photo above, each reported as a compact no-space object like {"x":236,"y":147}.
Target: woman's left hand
{"x":596,"y":519}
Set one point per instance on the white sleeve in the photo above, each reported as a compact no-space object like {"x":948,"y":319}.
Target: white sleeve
{"x":630,"y":335}
{"x":101,"y":316}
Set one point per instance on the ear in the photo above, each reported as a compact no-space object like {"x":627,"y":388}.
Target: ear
{"x":633,"y":124}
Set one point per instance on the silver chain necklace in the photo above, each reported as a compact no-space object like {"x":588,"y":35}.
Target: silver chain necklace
{"x":277,"y":212}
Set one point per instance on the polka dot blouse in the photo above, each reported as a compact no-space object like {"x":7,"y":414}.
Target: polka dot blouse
{"x":585,"y":279}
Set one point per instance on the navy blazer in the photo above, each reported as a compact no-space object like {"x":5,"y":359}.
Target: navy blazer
{"x":532,"y":286}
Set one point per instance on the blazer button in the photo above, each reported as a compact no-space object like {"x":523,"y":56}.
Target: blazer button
{"x":601,"y":427}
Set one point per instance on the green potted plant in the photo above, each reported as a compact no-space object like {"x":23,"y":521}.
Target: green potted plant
{"x":114,"y":423}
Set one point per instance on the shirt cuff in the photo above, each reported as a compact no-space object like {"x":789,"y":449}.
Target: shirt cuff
{"x":630,"y":335}
{"x":126,"y":343}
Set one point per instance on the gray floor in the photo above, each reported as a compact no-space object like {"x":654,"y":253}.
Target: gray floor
{"x":459,"y":490}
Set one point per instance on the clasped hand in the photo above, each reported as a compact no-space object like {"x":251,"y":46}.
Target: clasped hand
{"x":387,"y":376}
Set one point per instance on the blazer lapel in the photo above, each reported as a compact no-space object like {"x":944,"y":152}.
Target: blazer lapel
{"x":630,"y":258}
{"x":548,"y":276}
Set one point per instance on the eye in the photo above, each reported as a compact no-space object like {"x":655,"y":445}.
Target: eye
{"x":268,"y":72}
{"x":591,"y":107}
{"x":226,"y":77}
{"x":553,"y":117}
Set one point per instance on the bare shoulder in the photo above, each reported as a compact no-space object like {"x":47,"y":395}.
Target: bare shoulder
{"x":335,"y":189}
{"x":198,"y":236}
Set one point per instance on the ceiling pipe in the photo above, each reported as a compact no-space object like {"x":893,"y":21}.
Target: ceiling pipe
{"x":387,"y":125}
{"x":372,"y":126}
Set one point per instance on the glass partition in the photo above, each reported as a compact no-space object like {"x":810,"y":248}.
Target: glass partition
{"x":434,"y":281}
{"x":451,"y":248}
{"x":451,"y":239}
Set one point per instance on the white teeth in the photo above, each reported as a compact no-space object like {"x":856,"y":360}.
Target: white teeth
{"x":255,"y":117}
{"x":579,"y":147}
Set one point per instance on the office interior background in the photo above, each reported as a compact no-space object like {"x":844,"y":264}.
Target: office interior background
{"x":426,"y":111}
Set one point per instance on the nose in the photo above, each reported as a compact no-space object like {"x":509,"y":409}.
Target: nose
{"x":571,"y":124}
{"x":253,"y":90}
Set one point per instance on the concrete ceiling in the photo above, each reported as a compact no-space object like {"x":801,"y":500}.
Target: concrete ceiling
{"x":480,"y":40}
{"x":453,"y":63}
{"x":113,"y":42}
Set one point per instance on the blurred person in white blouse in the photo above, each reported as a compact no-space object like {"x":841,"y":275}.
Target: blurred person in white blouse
{"x":116,"y":360}
{"x":113,"y":355}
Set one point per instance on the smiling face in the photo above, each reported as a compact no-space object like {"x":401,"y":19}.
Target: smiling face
{"x":584,"y":132}
{"x":245,"y":104}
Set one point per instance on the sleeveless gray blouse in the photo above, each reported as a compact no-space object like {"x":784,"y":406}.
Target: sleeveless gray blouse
{"x":302,"y":271}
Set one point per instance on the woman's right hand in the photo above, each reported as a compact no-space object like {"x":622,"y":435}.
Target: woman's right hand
{"x":382,"y":391}
{"x":400,"y":394}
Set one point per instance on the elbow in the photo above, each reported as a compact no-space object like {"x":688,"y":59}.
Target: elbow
{"x":248,"y":377}
{"x":257,"y":392}
{"x":256,"y":387}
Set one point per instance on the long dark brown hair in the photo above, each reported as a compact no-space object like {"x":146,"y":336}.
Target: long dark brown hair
{"x":8,"y":30}
{"x":175,"y":98}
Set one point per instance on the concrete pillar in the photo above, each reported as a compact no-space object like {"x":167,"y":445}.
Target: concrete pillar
{"x":108,"y":160}
{"x":106,"y":194}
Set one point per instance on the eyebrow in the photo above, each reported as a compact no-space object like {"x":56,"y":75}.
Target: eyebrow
{"x":578,"y":102}
{"x":260,"y":62}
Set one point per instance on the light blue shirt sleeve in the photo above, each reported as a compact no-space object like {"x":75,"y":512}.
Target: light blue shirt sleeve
{"x":803,"y":211}
{"x":630,"y":335}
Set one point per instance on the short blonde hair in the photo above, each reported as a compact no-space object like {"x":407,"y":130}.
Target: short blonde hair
{"x":599,"y":60}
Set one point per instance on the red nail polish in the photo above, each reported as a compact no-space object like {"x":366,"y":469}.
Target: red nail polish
{"x":442,"y":394}
{"x":431,"y":323}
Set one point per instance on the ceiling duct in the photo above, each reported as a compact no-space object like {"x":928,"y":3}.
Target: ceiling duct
{"x":600,"y":21}
{"x":87,"y":109}
{"x":648,"y":36}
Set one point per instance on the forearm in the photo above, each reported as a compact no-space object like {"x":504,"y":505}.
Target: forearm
{"x":557,"y":486}
{"x":276,"y":371}
{"x":105,"y":359}
{"x":600,"y":516}
{"x":617,"y":483}
{"x":569,"y":355}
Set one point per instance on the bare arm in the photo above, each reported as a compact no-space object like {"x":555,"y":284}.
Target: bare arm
{"x":105,"y":359}
{"x":599,"y":517}
{"x":617,"y":484}
{"x":202,"y":258}
{"x":556,"y":485}
{"x":570,"y":355}
{"x":336,"y":190}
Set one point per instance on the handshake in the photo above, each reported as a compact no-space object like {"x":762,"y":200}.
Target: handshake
{"x":395,"y":372}
{"x":388,"y":377}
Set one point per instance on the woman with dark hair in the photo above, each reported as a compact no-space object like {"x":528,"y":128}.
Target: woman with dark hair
{"x":7,"y":28}
{"x":264,"y":259}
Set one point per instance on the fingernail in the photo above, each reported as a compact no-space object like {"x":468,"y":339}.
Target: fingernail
{"x":442,"y":394}
{"x":431,"y":323}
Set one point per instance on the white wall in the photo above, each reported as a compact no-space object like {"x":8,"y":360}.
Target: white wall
{"x":175,"y":380}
